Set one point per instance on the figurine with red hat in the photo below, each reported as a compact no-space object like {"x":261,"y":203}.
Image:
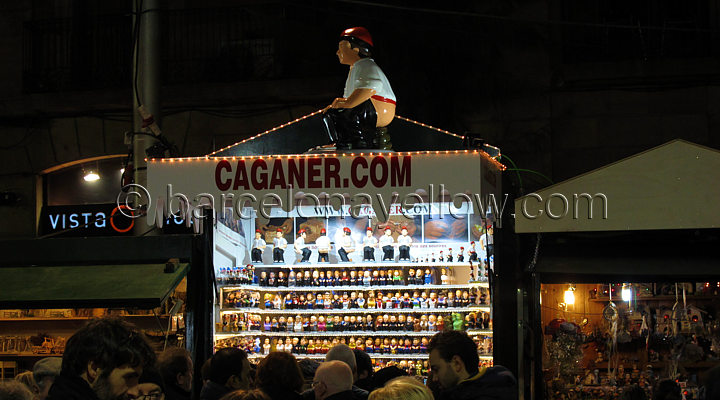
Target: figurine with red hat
{"x":258,"y":247}
{"x":301,"y":247}
{"x":461,"y":255}
{"x":404,"y":242}
{"x":387,"y":243}
{"x":368,"y":102}
{"x":279,"y":246}
{"x":370,"y":243}
{"x":347,"y":245}
{"x":323,"y":246}
{"x":472,"y":253}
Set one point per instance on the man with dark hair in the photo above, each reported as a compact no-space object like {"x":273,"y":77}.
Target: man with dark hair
{"x":176,"y":369}
{"x":454,"y":368}
{"x":102,"y":361}
{"x":229,"y":370}
{"x":364,"y":370}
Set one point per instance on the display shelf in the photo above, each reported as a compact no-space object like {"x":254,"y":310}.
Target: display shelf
{"x":658,"y":298}
{"x":222,"y":335}
{"x":372,"y":355}
{"x":358,"y":310}
{"x":343,"y":288}
{"x":57,"y":319}
{"x":378,"y":264}
{"x":30,"y":355}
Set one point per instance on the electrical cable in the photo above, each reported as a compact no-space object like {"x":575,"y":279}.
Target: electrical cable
{"x":532,"y":171}
{"x":136,"y":47}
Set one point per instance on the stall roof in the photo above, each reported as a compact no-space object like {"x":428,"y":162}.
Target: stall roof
{"x":306,"y":132}
{"x":87,"y":286}
{"x":672,"y":186}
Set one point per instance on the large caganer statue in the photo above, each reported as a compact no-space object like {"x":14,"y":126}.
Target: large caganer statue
{"x":358,"y":119}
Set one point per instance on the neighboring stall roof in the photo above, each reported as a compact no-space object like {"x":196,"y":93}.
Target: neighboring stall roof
{"x":672,"y":186}
{"x":306,"y":132}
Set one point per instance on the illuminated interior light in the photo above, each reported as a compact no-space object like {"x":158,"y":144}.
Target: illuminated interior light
{"x":626,"y":292}
{"x":91,"y":176}
{"x":569,"y":296}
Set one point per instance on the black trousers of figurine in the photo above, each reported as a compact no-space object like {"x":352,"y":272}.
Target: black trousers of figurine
{"x":404,"y":252}
{"x":306,"y":255}
{"x":323,"y":257}
{"x":461,"y":258}
{"x":256,"y":255}
{"x":343,"y":255}
{"x":352,"y":128}
{"x":278,"y":255}
{"x":473,"y":257}
{"x":368,"y":254}
{"x":388,"y":253}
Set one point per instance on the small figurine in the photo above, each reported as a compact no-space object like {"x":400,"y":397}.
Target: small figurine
{"x":404,"y":242}
{"x":419,"y":280}
{"x":368,"y":102}
{"x":282,"y":280}
{"x":279,"y":246}
{"x":258,"y":247}
{"x":387,"y":243}
{"x":472,"y":254}
{"x":263,"y":281}
{"x":444,"y":277}
{"x":449,"y":257}
{"x":428,"y":277}
{"x":301,"y":247}
{"x":366,"y":278}
{"x":370,"y":242}
{"x":461,"y":255}
{"x":442,"y":256}
{"x":347,"y":245}
{"x":323,"y":246}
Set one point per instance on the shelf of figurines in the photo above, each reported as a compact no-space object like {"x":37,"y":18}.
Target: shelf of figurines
{"x":473,"y":308}
{"x":351,"y":288}
{"x":372,"y":355}
{"x":221,"y":335}
{"x":376,"y":264}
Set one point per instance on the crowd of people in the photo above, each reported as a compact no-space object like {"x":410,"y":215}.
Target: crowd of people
{"x":110,"y":359}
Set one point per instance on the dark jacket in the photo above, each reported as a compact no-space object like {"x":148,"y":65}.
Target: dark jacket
{"x":497,"y":383}
{"x":357,"y":394}
{"x":346,"y":395}
{"x":213,"y":391}
{"x":277,"y":393}
{"x":71,"y":388}
{"x":175,"y":392}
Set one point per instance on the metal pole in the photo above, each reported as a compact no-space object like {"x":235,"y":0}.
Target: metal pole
{"x":146,"y":78}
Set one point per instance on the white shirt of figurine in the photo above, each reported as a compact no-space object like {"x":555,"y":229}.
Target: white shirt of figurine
{"x":259,"y":244}
{"x":365,"y":74}
{"x":300,"y":244}
{"x":347,"y":243}
{"x":444,"y":279}
{"x":323,"y":244}
{"x":370,"y":241}
{"x":279,"y":242}
{"x":386,"y":240}
{"x":404,"y":240}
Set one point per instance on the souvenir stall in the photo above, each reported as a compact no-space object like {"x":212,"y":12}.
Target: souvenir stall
{"x":625,"y":288}
{"x":376,"y":249}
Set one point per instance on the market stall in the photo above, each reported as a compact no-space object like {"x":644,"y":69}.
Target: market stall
{"x":624,"y":290}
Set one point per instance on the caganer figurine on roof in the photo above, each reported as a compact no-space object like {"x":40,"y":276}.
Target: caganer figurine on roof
{"x":368,"y":102}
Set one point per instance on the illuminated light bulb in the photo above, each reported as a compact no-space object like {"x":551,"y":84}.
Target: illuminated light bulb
{"x":626,"y":292}
{"x":569,"y":296}
{"x":91,"y":177}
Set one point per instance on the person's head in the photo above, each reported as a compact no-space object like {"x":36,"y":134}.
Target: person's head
{"x":258,"y":234}
{"x":205,"y":370}
{"x":308,"y":368}
{"x":384,"y":375}
{"x":230,"y":367}
{"x":402,"y":388}
{"x":453,"y":357}
{"x":344,"y":353}
{"x":151,"y":385}
{"x":633,"y":392}
{"x":332,"y":377}
{"x":14,"y":390}
{"x":255,"y":394}
{"x":110,"y":355}
{"x":26,"y":378}
{"x":279,"y":370}
{"x":359,"y":40}
{"x":363,"y":364}
{"x":44,"y":372}
{"x":176,"y":367}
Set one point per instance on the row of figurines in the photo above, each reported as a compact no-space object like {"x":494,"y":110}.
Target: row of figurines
{"x":387,"y":345}
{"x":239,"y":322}
{"x":347,"y":245}
{"x":414,"y":367}
{"x":376,"y":277}
{"x":357,"y":300}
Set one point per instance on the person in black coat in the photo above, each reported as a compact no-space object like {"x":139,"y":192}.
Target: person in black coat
{"x":333,"y":381}
{"x":279,"y":376}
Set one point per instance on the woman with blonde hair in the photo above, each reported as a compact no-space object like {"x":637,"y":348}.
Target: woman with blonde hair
{"x":402,"y":388}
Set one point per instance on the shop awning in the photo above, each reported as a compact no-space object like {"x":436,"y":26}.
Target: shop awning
{"x":129,"y":286}
{"x":672,"y":186}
